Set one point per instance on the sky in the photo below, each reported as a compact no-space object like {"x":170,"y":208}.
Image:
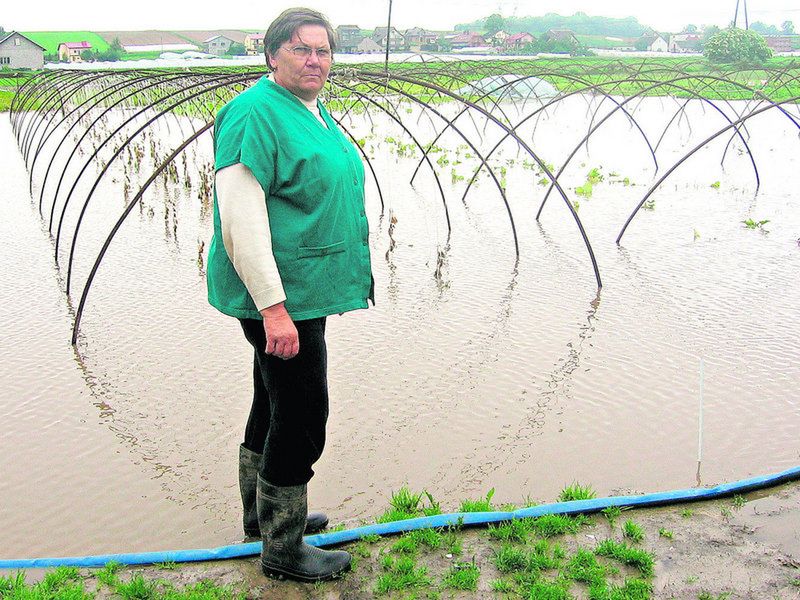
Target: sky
{"x":99,"y":15}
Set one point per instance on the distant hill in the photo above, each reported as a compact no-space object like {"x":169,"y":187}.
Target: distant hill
{"x":579,"y":23}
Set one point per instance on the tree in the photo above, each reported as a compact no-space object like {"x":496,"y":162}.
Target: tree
{"x":494,"y":23}
{"x":787,"y":28}
{"x":236,"y":49}
{"x":641,"y":44}
{"x":737,"y":46}
{"x":87,"y":56}
{"x":690,"y":28}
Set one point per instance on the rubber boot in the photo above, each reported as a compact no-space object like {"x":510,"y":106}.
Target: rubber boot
{"x":282,"y":517}
{"x":249,"y":463}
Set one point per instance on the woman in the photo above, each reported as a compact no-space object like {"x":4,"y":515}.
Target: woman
{"x":290,"y":247}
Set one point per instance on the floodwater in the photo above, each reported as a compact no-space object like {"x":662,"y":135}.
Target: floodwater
{"x":473,"y":371}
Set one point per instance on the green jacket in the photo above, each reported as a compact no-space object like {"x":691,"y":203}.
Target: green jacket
{"x":313,"y":181}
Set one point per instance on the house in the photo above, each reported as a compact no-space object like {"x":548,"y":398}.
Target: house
{"x":348,"y":37}
{"x":653,"y":42}
{"x":418,"y":39}
{"x":218,"y":45}
{"x":560,"y":35}
{"x":367,"y":46}
{"x":19,"y":52}
{"x":254,"y":44}
{"x":518,"y":41}
{"x":684,"y":43}
{"x":397,"y":40}
{"x":466,"y":39}
{"x":499,"y":38}
{"x":71,"y":51}
{"x":779,"y":43}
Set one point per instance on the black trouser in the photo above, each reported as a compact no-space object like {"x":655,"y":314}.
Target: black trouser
{"x":290,"y":404}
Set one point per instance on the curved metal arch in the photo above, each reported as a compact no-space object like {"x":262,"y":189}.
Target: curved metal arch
{"x":694,"y":150}
{"x":93,"y":272}
{"x":549,"y":175}
{"x":217,"y":84}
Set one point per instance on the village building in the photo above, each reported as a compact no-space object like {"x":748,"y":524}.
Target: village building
{"x":397,"y":39}
{"x":499,"y":38}
{"x":218,"y":45}
{"x":518,"y":41}
{"x":71,"y":51}
{"x":254,"y":44}
{"x":685,"y":43}
{"x":418,"y":39}
{"x":367,"y":46}
{"x":348,"y":37}
{"x":560,"y":35}
{"x":466,"y":39}
{"x":654,"y":42}
{"x":20,"y":52}
{"x":779,"y":43}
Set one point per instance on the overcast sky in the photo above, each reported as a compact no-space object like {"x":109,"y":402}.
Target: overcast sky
{"x":97,"y":15}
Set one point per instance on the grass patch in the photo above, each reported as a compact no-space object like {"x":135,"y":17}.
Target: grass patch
{"x":463,"y":576}
{"x":632,"y":589}
{"x":634,"y":557}
{"x":576,"y":491}
{"x":409,"y":543}
{"x":632,"y":531}
{"x":512,"y":531}
{"x":405,"y":504}
{"x":402,"y":574}
{"x":482,"y":505}
{"x":553,"y":525}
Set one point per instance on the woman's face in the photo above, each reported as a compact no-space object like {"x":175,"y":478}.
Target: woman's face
{"x":304,"y":76}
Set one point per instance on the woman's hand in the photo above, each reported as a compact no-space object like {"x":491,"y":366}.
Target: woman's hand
{"x":282,"y":338}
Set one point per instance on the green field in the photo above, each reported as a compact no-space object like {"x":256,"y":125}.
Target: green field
{"x":51,"y":39}
{"x":601,"y":41}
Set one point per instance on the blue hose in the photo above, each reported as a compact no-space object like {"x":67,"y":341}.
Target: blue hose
{"x":482,"y":518}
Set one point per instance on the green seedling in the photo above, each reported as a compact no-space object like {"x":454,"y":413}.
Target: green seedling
{"x":715,"y":185}
{"x":463,"y":576}
{"x":692,"y":579}
{"x":595,"y":176}
{"x":627,"y":182}
{"x":402,"y":574}
{"x":512,"y":531}
{"x":576,"y":491}
{"x":665,"y":533}
{"x":552,"y":525}
{"x":576,"y":205}
{"x":584,"y":190}
{"x":612,"y":513}
{"x":649,"y":205}
{"x":483,"y":505}
{"x":738,"y":501}
{"x":687,"y":513}
{"x":544,"y":181}
{"x":753,"y":224}
{"x":501,"y":586}
{"x":509,"y":559}
{"x":696,"y":235}
{"x":584,"y":567}
{"x":550,"y":590}
{"x":632,"y":531}
{"x":632,"y":589}
{"x":627,"y":555}
{"x":709,"y":596}
{"x":371,"y":538}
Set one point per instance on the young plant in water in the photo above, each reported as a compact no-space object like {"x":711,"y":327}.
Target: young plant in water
{"x":753,"y":224}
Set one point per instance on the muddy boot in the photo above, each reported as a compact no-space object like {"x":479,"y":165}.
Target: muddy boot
{"x":249,"y":463}
{"x":282,"y":517}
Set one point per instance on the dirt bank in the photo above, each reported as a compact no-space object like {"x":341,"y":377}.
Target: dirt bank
{"x":747,"y":547}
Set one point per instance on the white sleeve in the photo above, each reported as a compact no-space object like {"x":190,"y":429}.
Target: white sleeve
{"x":246,"y":234}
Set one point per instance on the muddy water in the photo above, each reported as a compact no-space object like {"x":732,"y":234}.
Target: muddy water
{"x":473,"y":371}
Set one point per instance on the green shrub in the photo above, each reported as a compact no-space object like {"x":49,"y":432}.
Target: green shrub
{"x":737,"y":46}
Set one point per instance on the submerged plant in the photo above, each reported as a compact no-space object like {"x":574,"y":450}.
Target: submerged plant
{"x":753,"y":224}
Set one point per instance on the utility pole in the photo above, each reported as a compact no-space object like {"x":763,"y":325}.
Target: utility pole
{"x":736,"y":14}
{"x":388,"y":37}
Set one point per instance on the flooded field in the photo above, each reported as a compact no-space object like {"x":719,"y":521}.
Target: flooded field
{"x":474,"y":370}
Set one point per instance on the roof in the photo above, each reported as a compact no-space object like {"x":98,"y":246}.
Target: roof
{"x":255,"y":36}
{"x":216,"y":37}
{"x":76,"y":45}
{"x":518,"y":36}
{"x":8,"y":35}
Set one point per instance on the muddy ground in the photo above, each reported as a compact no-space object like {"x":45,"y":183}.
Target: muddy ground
{"x":719,"y":549}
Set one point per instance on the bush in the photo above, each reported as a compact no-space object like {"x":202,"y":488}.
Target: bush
{"x":737,"y":46}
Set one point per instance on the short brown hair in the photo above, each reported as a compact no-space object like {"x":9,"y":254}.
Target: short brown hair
{"x":288,"y":22}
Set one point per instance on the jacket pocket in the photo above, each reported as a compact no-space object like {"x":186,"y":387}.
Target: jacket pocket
{"x":308,"y":251}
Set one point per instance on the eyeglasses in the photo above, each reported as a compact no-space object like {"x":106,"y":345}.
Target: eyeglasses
{"x":323,"y":54}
